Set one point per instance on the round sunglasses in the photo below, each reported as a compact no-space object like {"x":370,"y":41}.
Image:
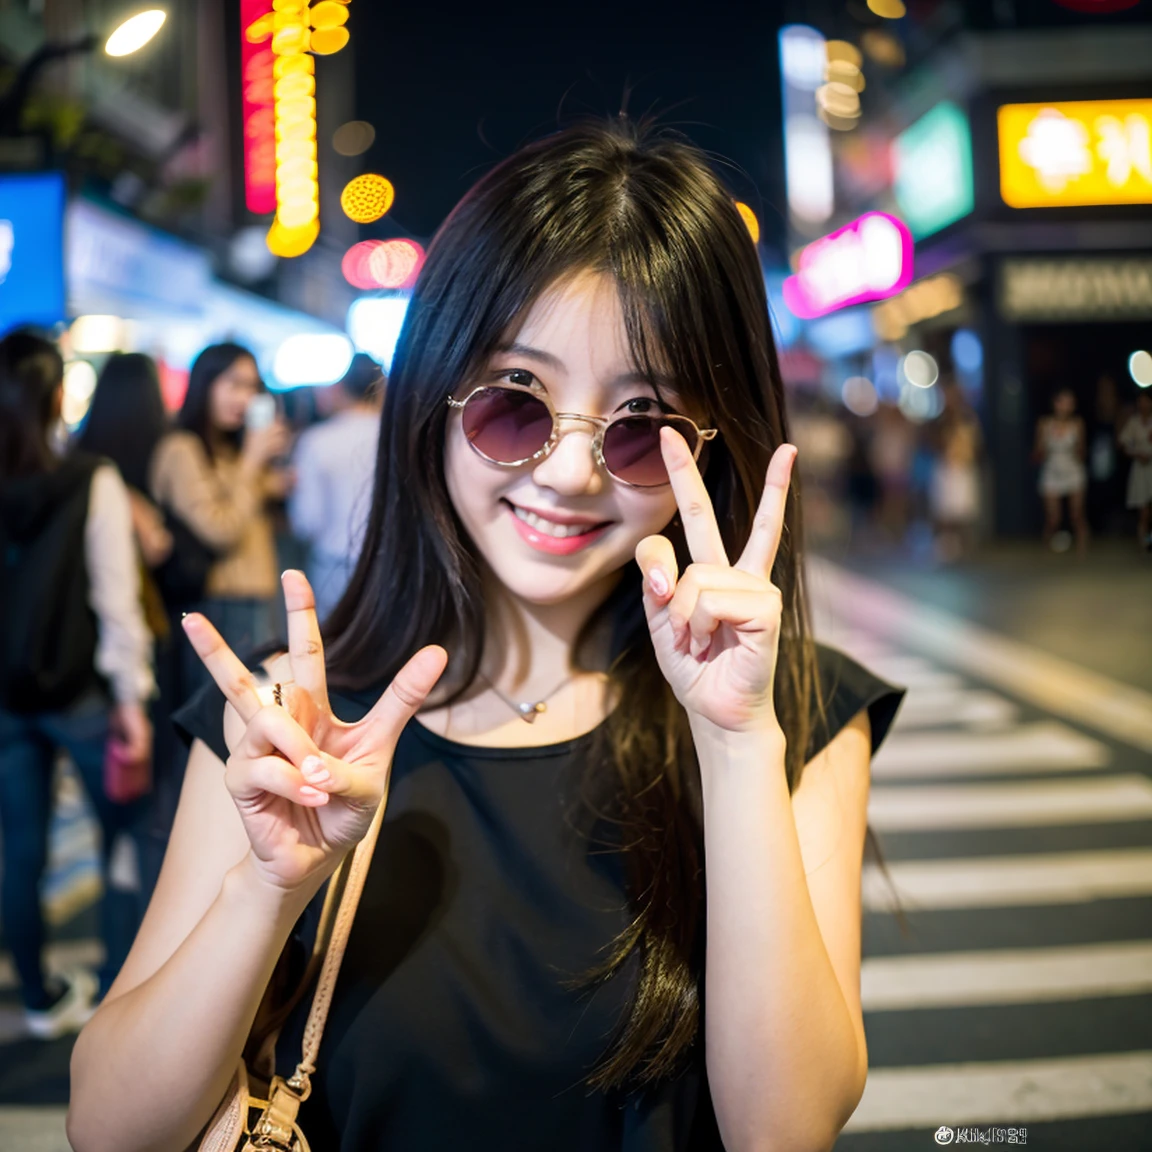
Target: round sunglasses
{"x":510,"y":425}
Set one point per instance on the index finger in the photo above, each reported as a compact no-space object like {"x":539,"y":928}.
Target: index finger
{"x":232,"y":677}
{"x":305,"y":648}
{"x":705,"y":544}
{"x":759,"y":553}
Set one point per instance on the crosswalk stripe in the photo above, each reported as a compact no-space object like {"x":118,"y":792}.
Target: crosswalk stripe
{"x":1006,"y":976}
{"x":1104,"y":800}
{"x":942,"y":707}
{"x":1045,"y":745}
{"x":1004,"y":881}
{"x":1010,"y":1092}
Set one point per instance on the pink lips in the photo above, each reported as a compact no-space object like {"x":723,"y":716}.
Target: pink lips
{"x":555,"y":545}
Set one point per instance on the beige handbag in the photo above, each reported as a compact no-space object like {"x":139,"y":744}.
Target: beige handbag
{"x":259,"y":1110}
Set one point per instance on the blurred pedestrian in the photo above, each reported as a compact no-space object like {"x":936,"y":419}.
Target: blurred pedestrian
{"x":954,"y":492}
{"x":215,"y":477}
{"x":75,"y":672}
{"x":1136,"y":440}
{"x":126,"y":423}
{"x":334,"y":462}
{"x":1060,"y":450}
{"x":1105,"y":473}
{"x":892,"y":450}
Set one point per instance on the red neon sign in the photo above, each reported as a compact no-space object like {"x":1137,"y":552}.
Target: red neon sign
{"x":256,"y":60}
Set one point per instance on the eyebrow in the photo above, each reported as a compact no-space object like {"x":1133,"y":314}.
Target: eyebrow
{"x":555,"y":363}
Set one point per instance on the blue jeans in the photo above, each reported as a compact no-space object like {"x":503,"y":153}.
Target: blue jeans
{"x":28,"y":746}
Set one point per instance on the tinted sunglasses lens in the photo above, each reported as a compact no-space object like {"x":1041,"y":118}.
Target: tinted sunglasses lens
{"x":632,"y":448}
{"x":506,"y":426}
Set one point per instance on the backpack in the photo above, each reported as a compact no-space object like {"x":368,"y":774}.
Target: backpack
{"x":48,"y":631}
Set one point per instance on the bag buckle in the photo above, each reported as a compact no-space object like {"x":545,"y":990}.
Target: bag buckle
{"x":276,"y":1130}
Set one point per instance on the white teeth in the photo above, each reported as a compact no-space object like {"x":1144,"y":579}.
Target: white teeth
{"x":547,"y":527}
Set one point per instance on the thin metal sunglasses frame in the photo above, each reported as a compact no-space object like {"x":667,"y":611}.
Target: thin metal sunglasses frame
{"x":600,"y":423}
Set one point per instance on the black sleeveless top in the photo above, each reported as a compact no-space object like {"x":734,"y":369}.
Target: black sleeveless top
{"x":454,"y":1019}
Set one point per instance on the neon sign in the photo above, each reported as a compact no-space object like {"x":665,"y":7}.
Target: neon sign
{"x":257,"y":107}
{"x":869,"y":259}
{"x":1076,"y":152}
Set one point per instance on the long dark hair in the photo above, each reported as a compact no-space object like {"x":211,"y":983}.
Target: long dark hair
{"x":127,"y":419}
{"x":31,"y":372}
{"x":647,"y":209}
{"x":194,"y":415}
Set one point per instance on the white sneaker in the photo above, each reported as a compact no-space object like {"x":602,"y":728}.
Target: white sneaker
{"x":70,"y":1013}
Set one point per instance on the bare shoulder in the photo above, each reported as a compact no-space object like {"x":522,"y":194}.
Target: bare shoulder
{"x":830,"y":804}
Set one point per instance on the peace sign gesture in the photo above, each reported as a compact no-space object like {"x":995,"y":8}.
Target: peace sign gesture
{"x":305,"y":783}
{"x":716,"y":629}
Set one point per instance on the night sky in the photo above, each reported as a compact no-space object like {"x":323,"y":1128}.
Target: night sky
{"x":452,"y":94}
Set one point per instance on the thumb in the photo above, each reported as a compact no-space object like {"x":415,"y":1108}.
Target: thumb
{"x":405,"y":695}
{"x":657,"y":560}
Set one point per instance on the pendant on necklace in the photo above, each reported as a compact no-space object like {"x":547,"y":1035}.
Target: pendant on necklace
{"x":528,"y":710}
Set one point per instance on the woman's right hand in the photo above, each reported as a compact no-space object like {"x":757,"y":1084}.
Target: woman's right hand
{"x":306,"y":784}
{"x":262,"y":445}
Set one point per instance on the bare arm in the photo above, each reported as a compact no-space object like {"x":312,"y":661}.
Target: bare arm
{"x":254,"y":840}
{"x":784,"y":1032}
{"x":153,"y":1063}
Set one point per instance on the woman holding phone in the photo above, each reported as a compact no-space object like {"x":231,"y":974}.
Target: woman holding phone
{"x":215,"y":476}
{"x":615,"y":901}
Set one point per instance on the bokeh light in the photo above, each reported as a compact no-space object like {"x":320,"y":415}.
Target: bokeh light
{"x":888,"y":9}
{"x":135,"y":32}
{"x":750,"y":221}
{"x":289,"y":242}
{"x":367,"y":198}
{"x":311,"y":358}
{"x":920,"y":369}
{"x":354,"y":265}
{"x":328,"y":41}
{"x":859,"y":396}
{"x":353,"y":138}
{"x":920,"y":404}
{"x":1140,"y":368}
{"x":93,"y":334}
{"x":395,"y":263}
{"x":79,"y":387}
{"x":327,"y":14}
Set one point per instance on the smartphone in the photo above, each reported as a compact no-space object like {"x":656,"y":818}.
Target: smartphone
{"x":261,"y":411}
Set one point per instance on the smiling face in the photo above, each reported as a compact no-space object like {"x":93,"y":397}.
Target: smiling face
{"x":557,"y":526}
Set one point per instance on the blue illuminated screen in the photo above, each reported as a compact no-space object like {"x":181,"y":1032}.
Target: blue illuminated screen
{"x":31,"y":249}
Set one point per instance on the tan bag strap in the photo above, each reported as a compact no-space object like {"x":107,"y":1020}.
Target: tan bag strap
{"x":322,"y":1000}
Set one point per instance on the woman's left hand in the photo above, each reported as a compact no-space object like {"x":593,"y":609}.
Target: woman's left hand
{"x":716,"y":628}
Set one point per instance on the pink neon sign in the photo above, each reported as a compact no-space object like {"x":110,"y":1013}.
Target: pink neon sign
{"x":257,"y":114}
{"x":869,"y":259}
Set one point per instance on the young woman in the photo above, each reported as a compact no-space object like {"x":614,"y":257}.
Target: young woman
{"x":1060,"y":451}
{"x":215,"y":476}
{"x":615,"y":902}
{"x":75,"y":665}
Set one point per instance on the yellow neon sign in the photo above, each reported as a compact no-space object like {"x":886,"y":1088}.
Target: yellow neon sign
{"x":1077,"y":152}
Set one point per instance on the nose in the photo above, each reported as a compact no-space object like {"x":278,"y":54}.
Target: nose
{"x":571,"y":468}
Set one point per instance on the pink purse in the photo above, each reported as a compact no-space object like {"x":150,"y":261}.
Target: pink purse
{"x":125,"y":779}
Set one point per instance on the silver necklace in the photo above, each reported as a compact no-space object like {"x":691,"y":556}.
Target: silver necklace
{"x":527,"y":710}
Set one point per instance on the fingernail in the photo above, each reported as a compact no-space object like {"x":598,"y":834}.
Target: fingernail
{"x":658,"y":582}
{"x":313,"y":768}
{"x":307,"y":793}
